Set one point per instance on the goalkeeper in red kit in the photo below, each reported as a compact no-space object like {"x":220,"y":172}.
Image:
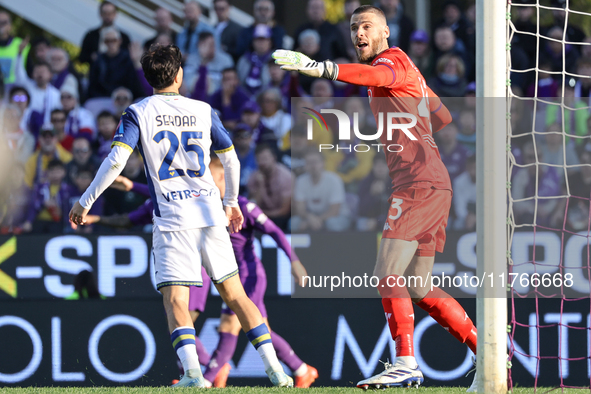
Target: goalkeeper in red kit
{"x":421,"y":198}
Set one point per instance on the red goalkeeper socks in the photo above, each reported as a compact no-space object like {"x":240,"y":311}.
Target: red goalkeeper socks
{"x":450,"y":315}
{"x":399,"y":314}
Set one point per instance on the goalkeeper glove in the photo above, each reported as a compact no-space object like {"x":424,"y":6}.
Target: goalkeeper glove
{"x":296,"y":61}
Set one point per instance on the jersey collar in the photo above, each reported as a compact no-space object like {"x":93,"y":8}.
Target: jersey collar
{"x":168,"y":94}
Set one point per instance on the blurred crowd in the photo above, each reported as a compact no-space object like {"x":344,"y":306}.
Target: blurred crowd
{"x":58,"y":124}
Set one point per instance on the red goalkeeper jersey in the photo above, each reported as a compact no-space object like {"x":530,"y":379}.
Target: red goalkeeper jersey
{"x":419,"y":164}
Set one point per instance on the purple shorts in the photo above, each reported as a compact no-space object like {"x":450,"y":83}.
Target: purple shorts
{"x":198,"y":295}
{"x":254,"y":280}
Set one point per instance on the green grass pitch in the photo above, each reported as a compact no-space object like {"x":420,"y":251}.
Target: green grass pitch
{"x":254,"y":390}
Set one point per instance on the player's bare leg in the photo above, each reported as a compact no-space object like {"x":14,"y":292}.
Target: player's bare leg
{"x":256,"y":330}
{"x":443,"y":308}
{"x":394,"y":257}
{"x":182,"y":334}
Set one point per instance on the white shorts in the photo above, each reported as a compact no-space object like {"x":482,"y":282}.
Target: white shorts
{"x":178,"y":256}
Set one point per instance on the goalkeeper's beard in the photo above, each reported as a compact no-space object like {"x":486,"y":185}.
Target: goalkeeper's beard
{"x":369,"y":58}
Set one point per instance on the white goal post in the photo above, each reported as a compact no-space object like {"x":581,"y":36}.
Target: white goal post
{"x":491,"y":164}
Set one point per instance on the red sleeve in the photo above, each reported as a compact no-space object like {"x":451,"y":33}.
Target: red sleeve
{"x":440,"y":116}
{"x":364,"y":75}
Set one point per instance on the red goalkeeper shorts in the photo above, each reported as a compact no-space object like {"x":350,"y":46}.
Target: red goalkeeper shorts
{"x":419,"y":215}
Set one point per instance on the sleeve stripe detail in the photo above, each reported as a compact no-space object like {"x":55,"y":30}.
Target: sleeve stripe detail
{"x":224,"y":150}
{"x":438,"y":108}
{"x":391,"y":69}
{"x":123,"y":145}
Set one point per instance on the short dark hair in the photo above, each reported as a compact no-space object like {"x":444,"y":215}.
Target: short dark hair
{"x":59,"y":111}
{"x":369,"y":8}
{"x":55,"y":163}
{"x":263,"y":147}
{"x":204,"y":35}
{"x":106,"y":114}
{"x":229,"y":69}
{"x":42,"y":64}
{"x":161,"y":65}
{"x":106,"y":3}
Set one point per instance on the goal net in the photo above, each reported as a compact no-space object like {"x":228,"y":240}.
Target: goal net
{"x":549,"y":190}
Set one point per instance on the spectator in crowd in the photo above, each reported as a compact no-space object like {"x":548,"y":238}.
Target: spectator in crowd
{"x":547,"y":86}
{"x":551,"y":51}
{"x":453,"y":154}
{"x":470,"y":96}
{"x":20,"y":142}
{"x":524,"y":185}
{"x":579,"y":183}
{"x":320,"y":135}
{"x":270,"y":186}
{"x":467,"y":128}
{"x":245,"y":146}
{"x":281,"y":80}
{"x":295,"y":157}
{"x":332,"y":45}
{"x":575,"y":112}
{"x":122,"y":98}
{"x":188,"y":38}
{"x":81,"y":181}
{"x":44,"y":96}
{"x":251,"y":116}
{"x":323,"y":94}
{"x":445,"y":42}
{"x":400,"y":25}
{"x":450,"y":77}
{"x":14,"y":200}
{"x":227,"y":32}
{"x":80,"y":121}
{"x":40,"y":47}
{"x":272,"y":115}
{"x":19,"y":97}
{"x":112,"y":69}
{"x":465,"y":200}
{"x":49,"y":202}
{"x":58,"y":121}
{"x":253,"y":68}
{"x":203,"y":70}
{"x":107,"y":126}
{"x":229,"y":99}
{"x":117,"y":201}
{"x":351,"y":165}
{"x":419,"y":52}
{"x":471,"y":12}
{"x":10,"y":47}
{"x":454,"y":18}
{"x":374,"y":196}
{"x":583,"y":86}
{"x":573,"y":33}
{"x":83,"y":157}
{"x":524,"y":24}
{"x":344,"y":27}
{"x":59,"y":62}
{"x":319,"y":198}
{"x":264,"y":14}
{"x":309,"y":43}
{"x":163,"y":20}
{"x":551,"y":147}
{"x":94,"y":41}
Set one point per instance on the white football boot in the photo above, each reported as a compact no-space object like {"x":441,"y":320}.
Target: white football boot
{"x":474,"y":386}
{"x":279,"y":378}
{"x":398,"y":374}
{"x":191,"y":378}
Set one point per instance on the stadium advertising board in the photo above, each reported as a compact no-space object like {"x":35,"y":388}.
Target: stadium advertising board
{"x":93,"y":343}
{"x":34,"y":267}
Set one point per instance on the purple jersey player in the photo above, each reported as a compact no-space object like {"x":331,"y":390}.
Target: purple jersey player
{"x":254,"y":279}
